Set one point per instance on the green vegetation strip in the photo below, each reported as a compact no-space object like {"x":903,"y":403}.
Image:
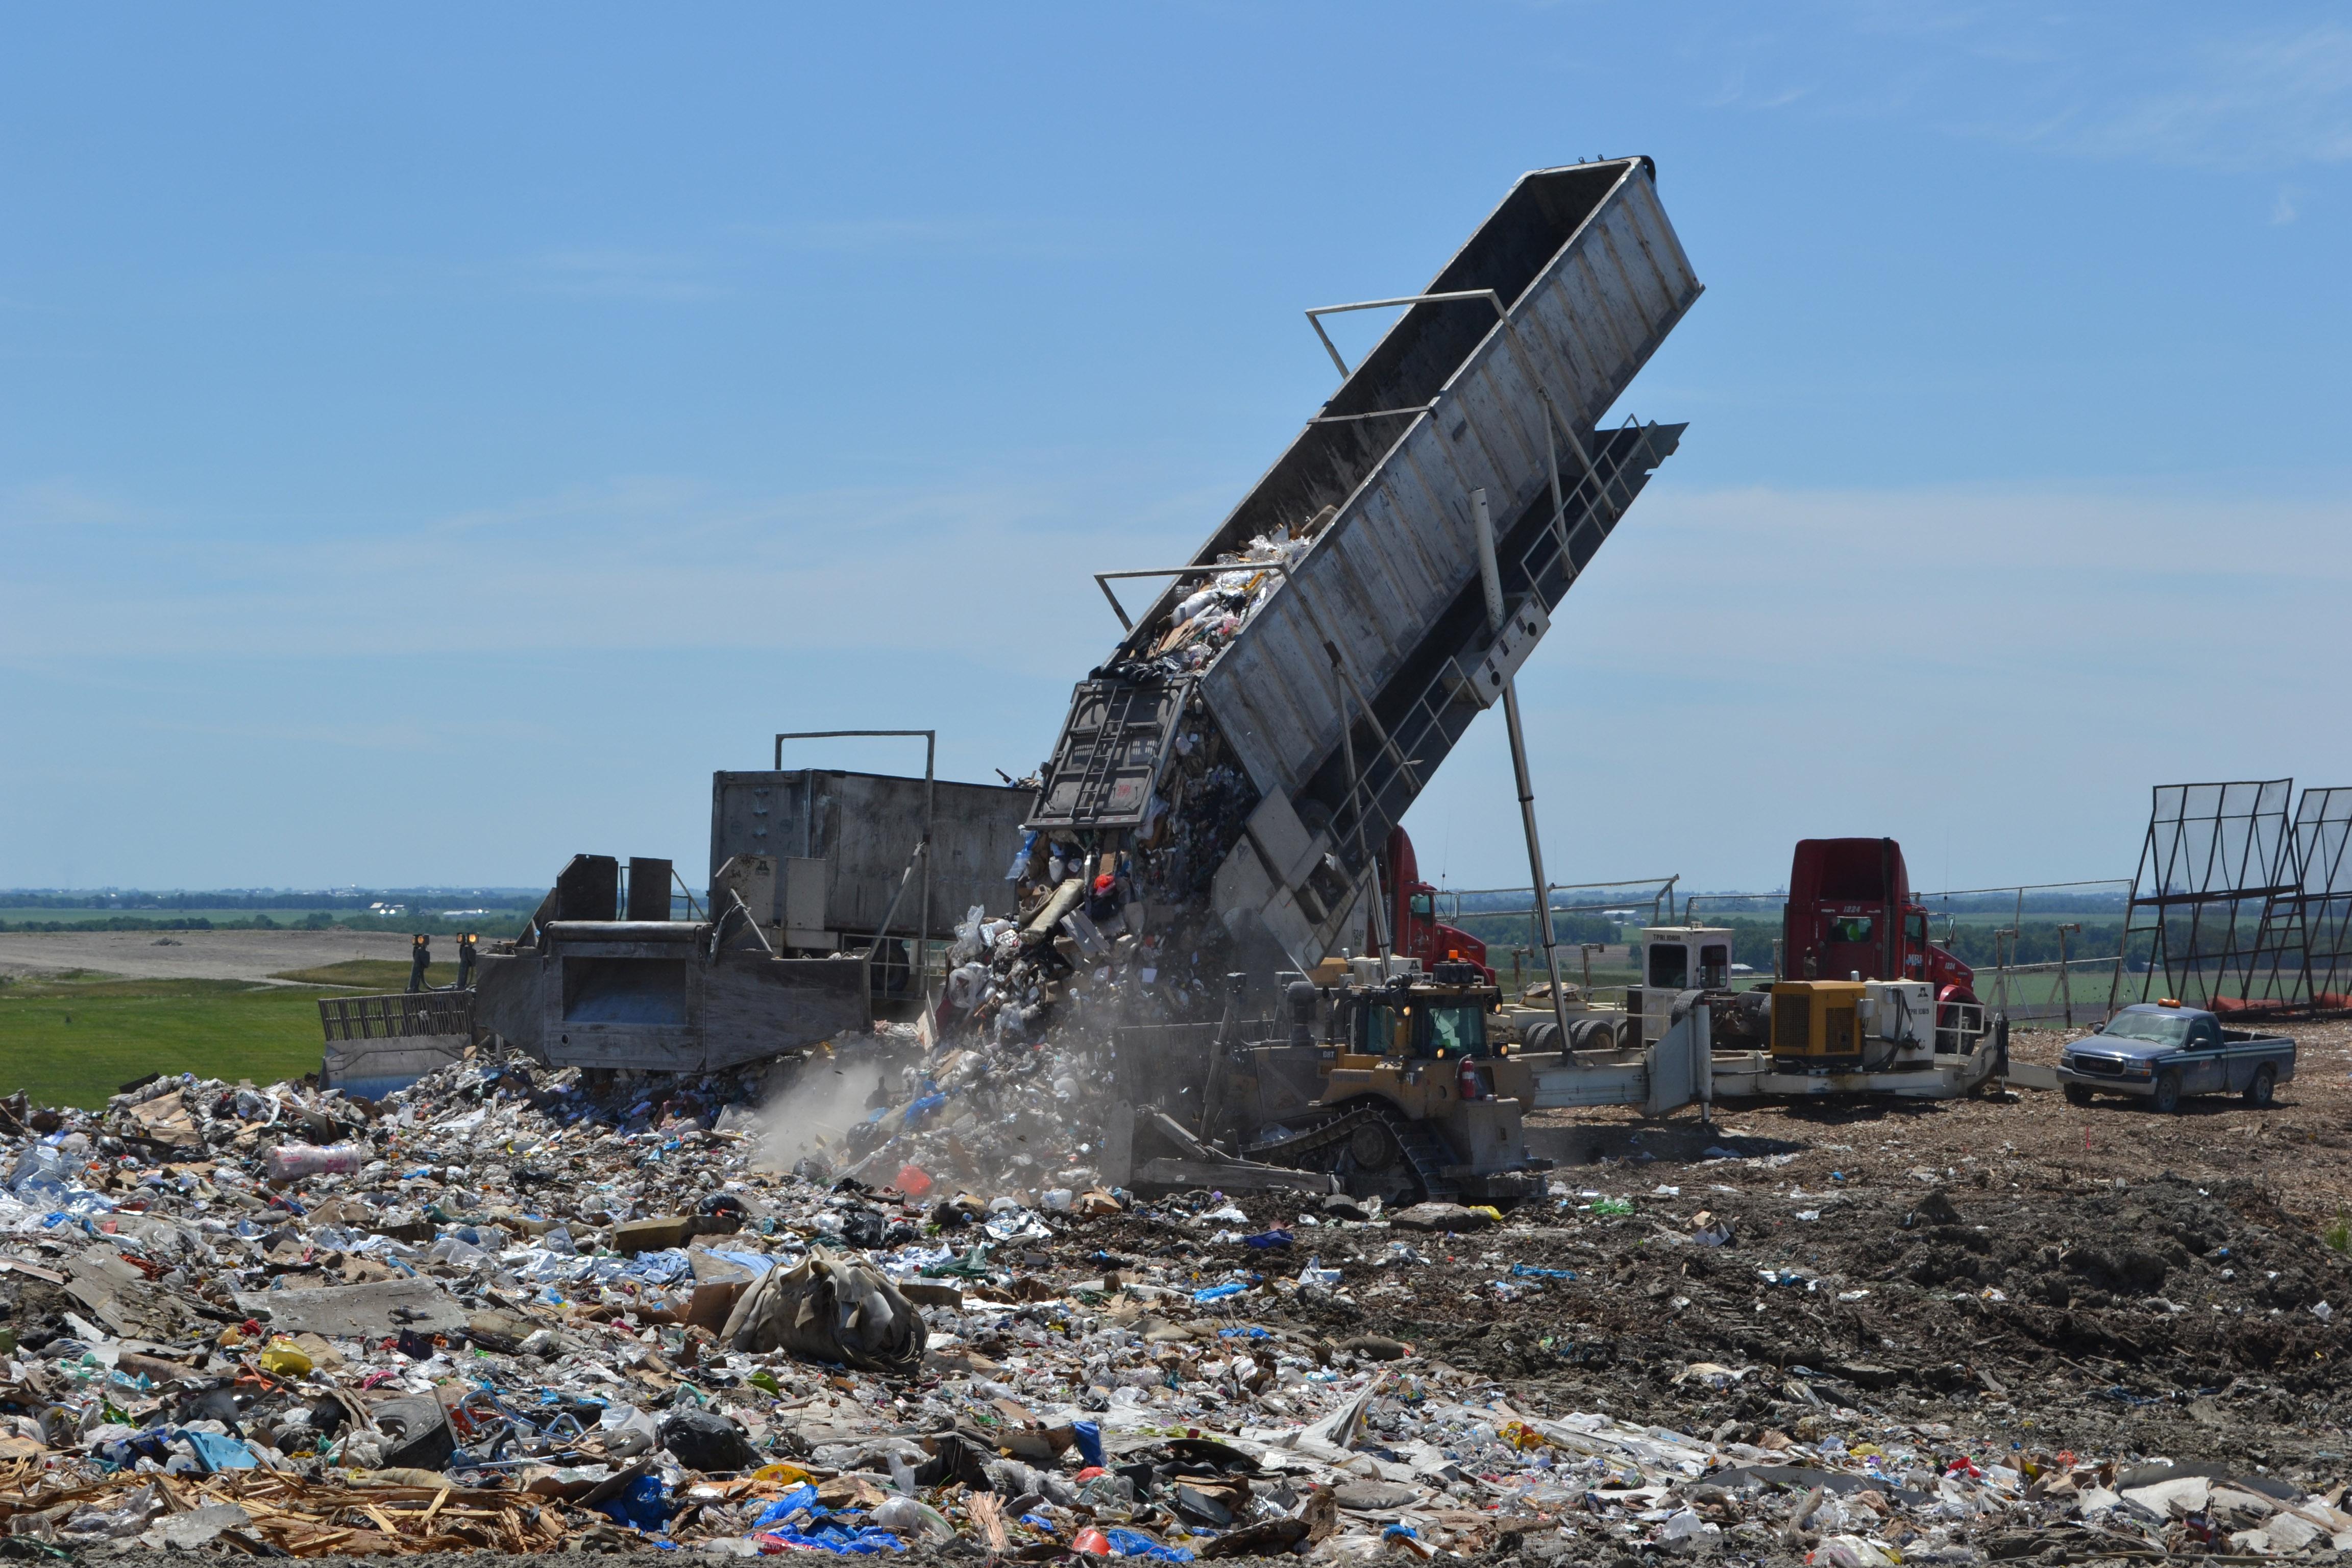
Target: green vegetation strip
{"x":368,"y":974}
{"x":75,"y":1042}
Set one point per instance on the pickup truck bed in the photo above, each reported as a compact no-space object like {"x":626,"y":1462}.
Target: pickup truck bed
{"x":2165,"y":1054}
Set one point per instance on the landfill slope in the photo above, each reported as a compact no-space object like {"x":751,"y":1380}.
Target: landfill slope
{"x":505,"y":1311}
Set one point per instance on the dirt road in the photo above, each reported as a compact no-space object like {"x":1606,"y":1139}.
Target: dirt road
{"x":253,"y":955}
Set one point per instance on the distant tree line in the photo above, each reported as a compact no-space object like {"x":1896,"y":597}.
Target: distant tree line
{"x":498,"y":922}
{"x":132,"y":898}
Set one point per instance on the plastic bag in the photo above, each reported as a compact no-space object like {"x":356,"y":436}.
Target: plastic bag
{"x":910,"y":1516}
{"x":284,"y":1358}
{"x":1131,"y":1543}
{"x":297,"y":1162}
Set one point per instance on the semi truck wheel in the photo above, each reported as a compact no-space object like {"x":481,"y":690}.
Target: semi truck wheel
{"x":2265,"y":1084}
{"x":2167,"y":1098}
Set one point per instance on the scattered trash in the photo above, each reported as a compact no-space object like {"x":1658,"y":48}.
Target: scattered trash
{"x":583,"y":1319}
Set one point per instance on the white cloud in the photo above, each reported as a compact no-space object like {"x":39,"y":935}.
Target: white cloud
{"x":2236,"y":90}
{"x":642,"y":562}
{"x":606,"y":273}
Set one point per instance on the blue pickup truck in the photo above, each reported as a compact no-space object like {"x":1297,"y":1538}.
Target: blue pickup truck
{"x":2162,"y":1051}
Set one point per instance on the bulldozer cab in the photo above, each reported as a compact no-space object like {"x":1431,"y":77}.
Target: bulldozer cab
{"x":1418,"y":1020}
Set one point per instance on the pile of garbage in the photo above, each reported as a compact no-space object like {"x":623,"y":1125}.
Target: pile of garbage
{"x":1117,"y":920}
{"x":1201,"y":625}
{"x":515,"y":1311}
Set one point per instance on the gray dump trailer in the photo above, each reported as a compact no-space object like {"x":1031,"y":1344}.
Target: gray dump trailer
{"x":826,"y":888}
{"x":1362,"y":665}
{"x":842,"y":843}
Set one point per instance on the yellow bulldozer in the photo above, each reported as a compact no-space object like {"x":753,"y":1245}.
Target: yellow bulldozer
{"x":1396,"y":1083}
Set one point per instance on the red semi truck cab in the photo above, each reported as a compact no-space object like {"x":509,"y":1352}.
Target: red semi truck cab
{"x":1415,"y":932}
{"x":1851,"y":912}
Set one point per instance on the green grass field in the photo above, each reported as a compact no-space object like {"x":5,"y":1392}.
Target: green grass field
{"x":369,"y":975}
{"x":77,"y":1041}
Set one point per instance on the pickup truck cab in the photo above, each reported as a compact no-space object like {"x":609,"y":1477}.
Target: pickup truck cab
{"x":2161,"y":1051}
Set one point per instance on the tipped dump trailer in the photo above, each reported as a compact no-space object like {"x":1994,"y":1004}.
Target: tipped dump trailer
{"x":1372,"y":649}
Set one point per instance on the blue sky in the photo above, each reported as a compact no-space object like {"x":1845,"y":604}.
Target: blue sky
{"x":432,"y":441}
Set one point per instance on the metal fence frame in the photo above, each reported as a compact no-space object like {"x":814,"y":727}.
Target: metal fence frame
{"x":2212,"y":850}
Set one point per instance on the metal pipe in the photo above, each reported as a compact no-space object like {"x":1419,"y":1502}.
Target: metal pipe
{"x":1315,"y":315}
{"x":1492,"y":579}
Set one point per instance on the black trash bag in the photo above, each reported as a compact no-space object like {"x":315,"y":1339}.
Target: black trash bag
{"x":706,"y":1441}
{"x":863,"y":1227}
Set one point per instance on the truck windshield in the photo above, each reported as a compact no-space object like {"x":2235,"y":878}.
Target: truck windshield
{"x":1457,"y":1030}
{"x":2157,"y":1028}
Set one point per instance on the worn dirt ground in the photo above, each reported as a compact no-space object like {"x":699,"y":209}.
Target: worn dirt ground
{"x":2032,"y":1274}
{"x":251,"y":955}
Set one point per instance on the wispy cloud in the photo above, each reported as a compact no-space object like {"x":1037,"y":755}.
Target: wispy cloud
{"x":48,"y":505}
{"x":617,"y":274}
{"x":2267,"y":100}
{"x":648,"y":561}
{"x":2232,"y":88}
{"x":932,"y":235}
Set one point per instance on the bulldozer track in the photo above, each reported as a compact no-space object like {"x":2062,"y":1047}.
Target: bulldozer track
{"x":1324,"y":1146}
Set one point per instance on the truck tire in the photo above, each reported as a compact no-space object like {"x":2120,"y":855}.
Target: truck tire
{"x":2078,"y":1094}
{"x":2265,"y":1084}
{"x":2167,"y":1097}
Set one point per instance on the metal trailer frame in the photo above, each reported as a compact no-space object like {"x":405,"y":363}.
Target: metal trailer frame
{"x":1361,"y":668}
{"x":2211,"y":851}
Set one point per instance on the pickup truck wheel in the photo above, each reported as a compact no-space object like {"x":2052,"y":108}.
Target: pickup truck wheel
{"x":2167,"y":1098}
{"x":2259,"y":1092}
{"x":2077,"y":1094}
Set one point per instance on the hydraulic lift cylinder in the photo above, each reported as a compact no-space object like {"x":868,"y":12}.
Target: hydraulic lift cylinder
{"x":1490,"y":576}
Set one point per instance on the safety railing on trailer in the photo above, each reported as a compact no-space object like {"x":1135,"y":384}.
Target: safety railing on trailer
{"x":401,"y":1015}
{"x":1384,"y":785}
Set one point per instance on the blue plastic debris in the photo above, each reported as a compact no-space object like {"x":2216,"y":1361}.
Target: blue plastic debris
{"x":801,"y":1497}
{"x":1529,"y":1271}
{"x":643,"y":1504}
{"x":1089,"y":1441}
{"x":1219,"y":1292}
{"x":1128,"y":1544}
{"x":217,"y":1452}
{"x":1266,"y":1240}
{"x":1252,"y":1333}
{"x":822,"y":1529}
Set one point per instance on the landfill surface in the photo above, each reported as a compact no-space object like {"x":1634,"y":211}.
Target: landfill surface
{"x":514,"y":1311}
